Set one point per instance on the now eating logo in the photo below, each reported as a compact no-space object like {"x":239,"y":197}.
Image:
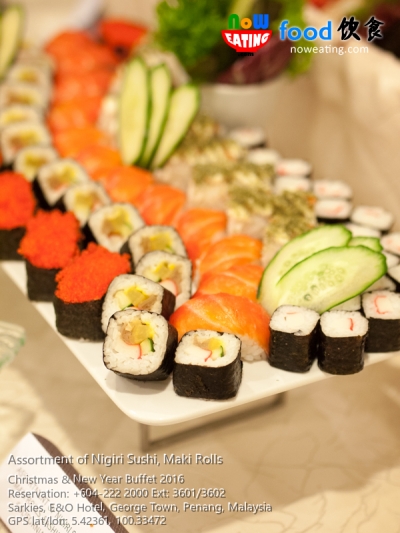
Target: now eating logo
{"x":247,"y":40}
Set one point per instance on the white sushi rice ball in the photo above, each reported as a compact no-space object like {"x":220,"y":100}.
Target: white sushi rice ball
{"x":85,"y":198}
{"x":19,"y":113}
{"x":57,"y":176}
{"x":294,"y":319}
{"x":291,"y":183}
{"x":333,"y":209}
{"x":391,"y":243}
{"x":362,"y":231}
{"x":382,"y":305}
{"x":391,"y":260}
{"x":248,"y":137}
{"x":192,"y":350}
{"x":293,"y":167}
{"x":263,"y":156}
{"x":354,"y":304}
{"x":22,"y":93}
{"x":383,"y":283}
{"x":21,"y":135}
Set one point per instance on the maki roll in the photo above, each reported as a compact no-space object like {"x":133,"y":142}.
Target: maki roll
{"x":172,"y":271}
{"x":391,"y":243}
{"x":129,"y":290}
{"x":362,"y":231}
{"x":19,"y":113}
{"x":208,"y":365}
{"x":394,"y":275}
{"x":248,"y":137}
{"x":263,"y":156}
{"x":342,"y":341}
{"x":382,"y":308}
{"x":20,"y":135}
{"x":22,"y":93}
{"x":140,"y":345}
{"x":293,"y":338}
{"x":291,"y":183}
{"x":391,"y":260}
{"x":373,"y":217}
{"x":354,"y":304}
{"x":152,"y":239}
{"x":31,"y":159}
{"x":30,"y":75}
{"x":80,"y":292}
{"x":84,"y":199}
{"x":324,"y":189}
{"x":54,"y":179}
{"x":385,"y":283}
{"x":17,"y":205}
{"x":50,"y":242}
{"x":111,"y":225}
{"x":332,"y":211}
{"x":293,"y":167}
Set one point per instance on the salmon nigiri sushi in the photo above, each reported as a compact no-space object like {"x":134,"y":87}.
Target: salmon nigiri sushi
{"x":229,"y":252}
{"x":160,"y":204}
{"x":229,"y":314}
{"x":241,"y":280}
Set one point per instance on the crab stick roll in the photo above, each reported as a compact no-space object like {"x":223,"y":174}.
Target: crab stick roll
{"x":354,"y":304}
{"x":152,"y":239}
{"x":291,"y":183}
{"x":342,"y":341}
{"x":208,"y":365}
{"x":385,"y":283}
{"x":248,"y":137}
{"x":382,"y":308}
{"x":293,"y":167}
{"x":391,"y":243}
{"x":31,"y":159}
{"x":83,"y":199}
{"x":373,"y":217}
{"x":54,"y":179}
{"x":172,"y":271}
{"x":362,"y":231}
{"x":140,"y":345}
{"x":20,"y":135}
{"x":332,"y":211}
{"x":293,"y":338}
{"x":111,"y":225}
{"x":263,"y":156}
{"x":324,"y":189}
{"x":391,"y":260}
{"x":394,"y":275}
{"x":130,"y":290}
{"x":19,"y":113}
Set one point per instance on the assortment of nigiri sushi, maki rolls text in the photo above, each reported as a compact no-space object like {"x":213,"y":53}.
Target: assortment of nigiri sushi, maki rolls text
{"x":223,"y":254}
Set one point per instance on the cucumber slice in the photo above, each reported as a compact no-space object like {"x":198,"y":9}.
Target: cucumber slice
{"x":147,"y":346}
{"x":183,"y":107}
{"x":160,"y":88}
{"x":370,"y":242}
{"x":331,"y":277}
{"x":11,"y":22}
{"x":292,"y":253}
{"x":134,"y":111}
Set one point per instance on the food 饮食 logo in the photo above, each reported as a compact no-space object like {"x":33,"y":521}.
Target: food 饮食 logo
{"x":246,"y":36}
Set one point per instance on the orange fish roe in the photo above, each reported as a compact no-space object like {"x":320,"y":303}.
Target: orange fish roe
{"x":88,"y":276}
{"x":51,"y":239}
{"x":17,"y":202}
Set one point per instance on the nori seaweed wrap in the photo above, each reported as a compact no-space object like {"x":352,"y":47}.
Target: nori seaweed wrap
{"x":208,"y":365}
{"x":140,"y":345}
{"x":342,"y":341}
{"x":293,"y":338}
{"x":382,"y":308}
{"x":79,"y":320}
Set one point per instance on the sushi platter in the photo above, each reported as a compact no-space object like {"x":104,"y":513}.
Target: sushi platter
{"x":155,"y":403}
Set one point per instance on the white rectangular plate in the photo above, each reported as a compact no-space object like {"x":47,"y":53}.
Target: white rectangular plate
{"x":155,"y":403}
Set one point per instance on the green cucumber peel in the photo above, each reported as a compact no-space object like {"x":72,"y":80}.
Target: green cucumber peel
{"x":11,"y":26}
{"x":134,"y":111}
{"x":294,"y":252}
{"x":160,"y":87}
{"x":331,"y":277}
{"x":370,"y":242}
{"x":183,"y":107}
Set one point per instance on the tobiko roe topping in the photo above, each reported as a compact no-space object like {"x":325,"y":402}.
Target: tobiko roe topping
{"x":17,"y":202}
{"x":51,"y":239}
{"x":88,"y":276}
